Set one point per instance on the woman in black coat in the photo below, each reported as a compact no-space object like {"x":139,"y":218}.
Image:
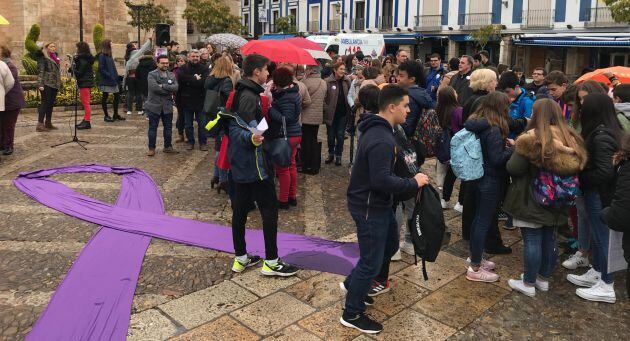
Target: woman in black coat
{"x":82,"y":68}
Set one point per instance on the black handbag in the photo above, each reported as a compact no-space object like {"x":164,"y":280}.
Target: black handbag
{"x":280,"y":148}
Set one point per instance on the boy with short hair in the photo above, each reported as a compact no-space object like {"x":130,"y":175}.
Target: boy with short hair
{"x":556,"y":82}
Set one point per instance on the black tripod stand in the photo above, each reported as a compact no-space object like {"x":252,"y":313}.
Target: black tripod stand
{"x":75,"y":139}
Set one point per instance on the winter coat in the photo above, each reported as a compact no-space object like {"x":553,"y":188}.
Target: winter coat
{"x":14,"y":98}
{"x":49,"y":73}
{"x":533,"y":89}
{"x":6,"y":82}
{"x":84,"y":72}
{"x":472,"y":103}
{"x":599,"y":173}
{"x":314,"y":113}
{"x":145,"y":65}
{"x":332,"y":93}
{"x":107,"y":70}
{"x":522,"y":106}
{"x":495,"y":153}
{"x":419,"y":101}
{"x":617,"y":215}
{"x":287,"y":104}
{"x":162,"y":87}
{"x":372,"y":181}
{"x":223,"y":85}
{"x":461,"y":83}
{"x":134,"y":59}
{"x":524,"y":165}
{"x":434,"y":77}
{"x":623,"y":108}
{"x":302,"y":89}
{"x":191,"y":90}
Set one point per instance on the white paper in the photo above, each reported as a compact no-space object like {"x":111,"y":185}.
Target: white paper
{"x":260,"y":128}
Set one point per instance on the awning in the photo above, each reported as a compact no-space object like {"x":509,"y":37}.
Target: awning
{"x":573,"y":42}
{"x":402,"y":38}
{"x":276,"y":36}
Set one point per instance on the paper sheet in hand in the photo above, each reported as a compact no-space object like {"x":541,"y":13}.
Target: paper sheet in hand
{"x":260,"y":128}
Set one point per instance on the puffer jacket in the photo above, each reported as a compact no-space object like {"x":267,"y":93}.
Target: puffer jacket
{"x":495,"y":153}
{"x":524,"y":165}
{"x":599,"y":173}
{"x":332,"y":93}
{"x":314,"y":113}
{"x":84,"y":71}
{"x":287,"y":104}
{"x":49,"y":73}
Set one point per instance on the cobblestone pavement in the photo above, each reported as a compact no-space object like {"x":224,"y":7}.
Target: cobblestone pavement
{"x":188,"y":293}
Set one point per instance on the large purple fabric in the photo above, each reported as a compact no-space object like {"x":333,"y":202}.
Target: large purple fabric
{"x":93,"y":302}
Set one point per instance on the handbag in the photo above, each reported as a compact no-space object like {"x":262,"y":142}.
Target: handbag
{"x":211,"y":103}
{"x":280,"y":148}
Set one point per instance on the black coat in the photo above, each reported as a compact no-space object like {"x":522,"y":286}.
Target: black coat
{"x":461,"y":84}
{"x":471,"y":103}
{"x":617,"y":215}
{"x":495,"y":154}
{"x":145,"y":65}
{"x":599,"y":173}
{"x":191,"y":90}
{"x":83,"y":70}
{"x":287,"y":103}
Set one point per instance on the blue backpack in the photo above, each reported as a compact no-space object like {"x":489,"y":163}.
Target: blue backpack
{"x":466,"y":156}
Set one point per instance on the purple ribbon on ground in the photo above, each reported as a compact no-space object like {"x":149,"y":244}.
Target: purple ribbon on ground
{"x":93,"y":301}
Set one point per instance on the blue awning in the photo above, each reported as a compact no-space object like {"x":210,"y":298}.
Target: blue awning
{"x":573,"y":42}
{"x":276,"y":36}
{"x":402,"y":38}
{"x":460,"y":37}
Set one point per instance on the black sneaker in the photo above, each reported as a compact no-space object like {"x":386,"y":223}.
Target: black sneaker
{"x":252,"y":260}
{"x":292,"y":202}
{"x":378,"y":288}
{"x":84,"y":125}
{"x":281,"y":269}
{"x":367,"y":300}
{"x":361,"y":322}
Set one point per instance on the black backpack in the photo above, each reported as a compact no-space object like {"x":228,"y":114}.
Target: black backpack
{"x":427,"y":226}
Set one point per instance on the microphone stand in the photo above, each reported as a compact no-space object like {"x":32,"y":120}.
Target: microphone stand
{"x":75,"y":139}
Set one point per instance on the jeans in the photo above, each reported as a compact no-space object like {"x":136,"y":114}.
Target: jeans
{"x":167,"y":122}
{"x":189,"y":116}
{"x":378,"y":242}
{"x":584,"y":237}
{"x":311,"y":154}
{"x":287,"y":176}
{"x":114,"y":105}
{"x":179,"y":124}
{"x":449,"y":182}
{"x":85,"y":101}
{"x":219,"y":173}
{"x":599,"y":234}
{"x":133,"y":93}
{"x":7,"y":127}
{"x":48,"y":102}
{"x":487,"y":195}
{"x":539,"y":253}
{"x":336,"y":132}
{"x":264,"y":194}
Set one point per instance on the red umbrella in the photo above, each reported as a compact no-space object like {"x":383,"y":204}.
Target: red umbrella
{"x":304,"y":43}
{"x":279,"y":51}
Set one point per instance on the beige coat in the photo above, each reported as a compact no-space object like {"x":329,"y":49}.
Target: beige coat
{"x":314,"y":114}
{"x":6,"y":82}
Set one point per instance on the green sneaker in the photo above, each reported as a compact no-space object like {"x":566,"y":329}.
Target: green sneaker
{"x":240,"y":267}
{"x":281,"y":269}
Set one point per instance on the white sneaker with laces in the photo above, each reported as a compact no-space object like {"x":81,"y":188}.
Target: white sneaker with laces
{"x":576,"y":260}
{"x":459,"y":208}
{"x":397,"y":256}
{"x":407,"y":247}
{"x":128,"y":112}
{"x":518,"y":285}
{"x":140,"y":112}
{"x":600,"y":292}
{"x":590,"y":278}
{"x":540,"y":284}
{"x":444,"y":204}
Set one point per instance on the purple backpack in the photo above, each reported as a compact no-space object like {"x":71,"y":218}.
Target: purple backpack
{"x":556,"y":191}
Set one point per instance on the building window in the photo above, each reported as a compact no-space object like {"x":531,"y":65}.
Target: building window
{"x":246,"y":22}
{"x":246,"y":3}
{"x":313,"y":25}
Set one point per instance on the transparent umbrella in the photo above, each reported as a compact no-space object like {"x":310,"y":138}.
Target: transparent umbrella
{"x":228,"y":40}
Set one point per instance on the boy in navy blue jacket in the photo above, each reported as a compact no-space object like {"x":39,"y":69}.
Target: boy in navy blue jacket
{"x":372,"y":184}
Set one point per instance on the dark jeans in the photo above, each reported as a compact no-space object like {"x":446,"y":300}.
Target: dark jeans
{"x":179,"y":124}
{"x":167,"y":122}
{"x":48,"y":102}
{"x":189,"y":116}
{"x":488,"y":195}
{"x":539,"y":253}
{"x":449,"y":182}
{"x":133,"y":93}
{"x":311,"y":154}
{"x":264,"y":194}
{"x":114,"y":104}
{"x":7,"y":127}
{"x":378,"y":242}
{"x":599,"y":234}
{"x":493,"y":238}
{"x":336,"y":133}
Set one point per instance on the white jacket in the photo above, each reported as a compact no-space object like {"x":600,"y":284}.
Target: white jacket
{"x":6,"y":82}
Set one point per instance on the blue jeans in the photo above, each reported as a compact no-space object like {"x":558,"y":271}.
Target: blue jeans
{"x":487,"y":195}
{"x":584,"y":238}
{"x":336,"y":133}
{"x":189,"y":116}
{"x":221,"y":174}
{"x":378,"y":242}
{"x":539,"y":253}
{"x":599,"y":234}
{"x":167,"y":122}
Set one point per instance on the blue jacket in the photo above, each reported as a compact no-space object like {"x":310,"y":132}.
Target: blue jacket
{"x":495,"y":154}
{"x":522,"y":105}
{"x":107,"y":70}
{"x":434,"y":77}
{"x":287,"y":103}
{"x":419,"y":100}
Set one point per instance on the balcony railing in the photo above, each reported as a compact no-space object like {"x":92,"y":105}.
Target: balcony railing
{"x":358,"y":24}
{"x":313,"y":26}
{"x":540,"y":18}
{"x":473,"y":21}
{"x":385,"y":23}
{"x":428,"y":22}
{"x":272,"y":28}
{"x":600,"y":17}
{"x":334,"y":25}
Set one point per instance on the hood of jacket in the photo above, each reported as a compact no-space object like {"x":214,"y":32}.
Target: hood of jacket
{"x":565,"y":162}
{"x":291,"y":92}
{"x":477,"y":125}
{"x":367,"y":122}
{"x":246,"y":83}
{"x":420,"y":96}
{"x":624,"y":108}
{"x":212,"y":81}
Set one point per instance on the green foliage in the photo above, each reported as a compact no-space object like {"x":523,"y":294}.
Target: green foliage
{"x":30,"y":65}
{"x":65,"y":96}
{"x":151,"y":15}
{"x":483,"y":35}
{"x":286,"y":25}
{"x":30,"y":43}
{"x":620,"y":10}
{"x":97,"y":37}
{"x":212,"y":16}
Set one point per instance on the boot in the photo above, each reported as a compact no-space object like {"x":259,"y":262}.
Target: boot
{"x":49,"y":126}
{"x":329,"y":159}
{"x":337,"y":160}
{"x":84,"y":125}
{"x":41,"y":128}
{"x":118,"y":117}
{"x":214,"y":181}
{"x":108,"y":118}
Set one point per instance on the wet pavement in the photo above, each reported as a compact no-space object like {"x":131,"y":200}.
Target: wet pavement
{"x":189,"y":293}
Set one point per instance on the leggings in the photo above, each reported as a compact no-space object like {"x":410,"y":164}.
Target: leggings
{"x":115,"y":104}
{"x":85,"y":100}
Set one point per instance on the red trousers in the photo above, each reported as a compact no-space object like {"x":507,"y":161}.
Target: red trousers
{"x":287,"y":176}
{"x":84,"y":93}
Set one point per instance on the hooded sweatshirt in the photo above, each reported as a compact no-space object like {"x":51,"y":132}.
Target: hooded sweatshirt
{"x":419,"y":100}
{"x":495,"y":154}
{"x":372,"y":181}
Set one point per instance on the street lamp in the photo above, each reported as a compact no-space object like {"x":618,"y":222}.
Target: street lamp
{"x":137,"y":8}
{"x":80,"y":20}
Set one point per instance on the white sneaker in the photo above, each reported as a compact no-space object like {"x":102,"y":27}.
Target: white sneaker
{"x":576,"y":260}
{"x":407,"y":247}
{"x":600,"y":292}
{"x":459,"y":208}
{"x":444,"y":204}
{"x":518,"y":285}
{"x":128,"y":112}
{"x":140,"y":112}
{"x":397,"y":256}
{"x":540,"y":284}
{"x":590,"y":278}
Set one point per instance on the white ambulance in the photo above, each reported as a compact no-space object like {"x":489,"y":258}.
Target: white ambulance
{"x":370,"y":44}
